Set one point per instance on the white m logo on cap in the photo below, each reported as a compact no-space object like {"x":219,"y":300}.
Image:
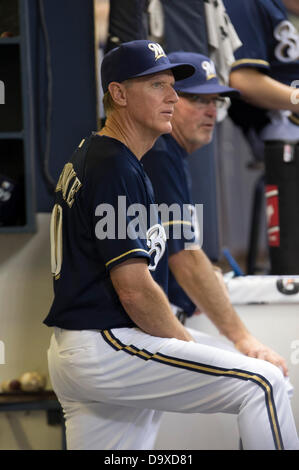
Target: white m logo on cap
{"x":157,"y":49}
{"x":209,"y":68}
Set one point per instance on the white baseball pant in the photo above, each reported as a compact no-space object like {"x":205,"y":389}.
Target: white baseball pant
{"x":114,"y":384}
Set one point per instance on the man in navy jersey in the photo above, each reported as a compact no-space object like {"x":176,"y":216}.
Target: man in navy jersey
{"x":266,"y":72}
{"x":118,"y":356}
{"x":91,"y":221}
{"x":266,"y":66}
{"x":166,"y":165}
{"x":193,"y":283}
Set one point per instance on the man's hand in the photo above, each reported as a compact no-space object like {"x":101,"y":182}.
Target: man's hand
{"x":196,"y":275}
{"x":253,"y":348}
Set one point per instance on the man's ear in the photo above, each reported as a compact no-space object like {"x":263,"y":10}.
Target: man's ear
{"x":118,"y":93}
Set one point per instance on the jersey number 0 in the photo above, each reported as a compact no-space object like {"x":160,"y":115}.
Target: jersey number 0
{"x":68,"y":190}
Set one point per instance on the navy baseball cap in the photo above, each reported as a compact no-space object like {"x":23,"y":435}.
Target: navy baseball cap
{"x":204,"y":80}
{"x":137,"y":59}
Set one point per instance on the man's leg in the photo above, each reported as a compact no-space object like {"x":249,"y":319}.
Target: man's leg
{"x":133,"y":370}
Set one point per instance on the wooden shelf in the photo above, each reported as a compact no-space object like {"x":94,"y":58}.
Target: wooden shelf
{"x":26,"y":397}
{"x":35,"y":401}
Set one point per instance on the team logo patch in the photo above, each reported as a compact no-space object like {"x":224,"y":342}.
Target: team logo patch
{"x":156,"y":242}
{"x":157,"y":49}
{"x":209,"y":69}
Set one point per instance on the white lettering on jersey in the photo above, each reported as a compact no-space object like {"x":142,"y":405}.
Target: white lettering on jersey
{"x":156,"y":241}
{"x":67,"y":175}
{"x":287,"y":49}
{"x":56,"y":240}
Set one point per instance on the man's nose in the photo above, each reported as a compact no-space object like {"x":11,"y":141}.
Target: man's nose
{"x":172,"y":96}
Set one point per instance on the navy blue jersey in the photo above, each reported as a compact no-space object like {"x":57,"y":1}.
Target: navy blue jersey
{"x":270,"y":44}
{"x":104,"y":214}
{"x":168,"y":170}
{"x":270,"y":41}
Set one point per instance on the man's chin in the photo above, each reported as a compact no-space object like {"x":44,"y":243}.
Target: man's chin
{"x":206,"y":138}
{"x":200,"y":143}
{"x":166,"y":128}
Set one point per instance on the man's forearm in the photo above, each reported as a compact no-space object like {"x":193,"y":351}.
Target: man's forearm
{"x":194,"y":272}
{"x":150,"y":310}
{"x":145,"y":302}
{"x":260,"y":90}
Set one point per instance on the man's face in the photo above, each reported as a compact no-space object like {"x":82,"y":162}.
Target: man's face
{"x":194,"y":120}
{"x":151,"y":101}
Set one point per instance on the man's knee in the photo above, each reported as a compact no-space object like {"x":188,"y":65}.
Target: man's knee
{"x":269,"y":375}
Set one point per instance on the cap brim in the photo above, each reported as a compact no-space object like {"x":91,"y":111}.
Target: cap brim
{"x":210,"y":88}
{"x":180,"y":71}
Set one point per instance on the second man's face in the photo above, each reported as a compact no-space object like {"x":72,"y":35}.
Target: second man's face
{"x":194,"y":121}
{"x":151,"y":102}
